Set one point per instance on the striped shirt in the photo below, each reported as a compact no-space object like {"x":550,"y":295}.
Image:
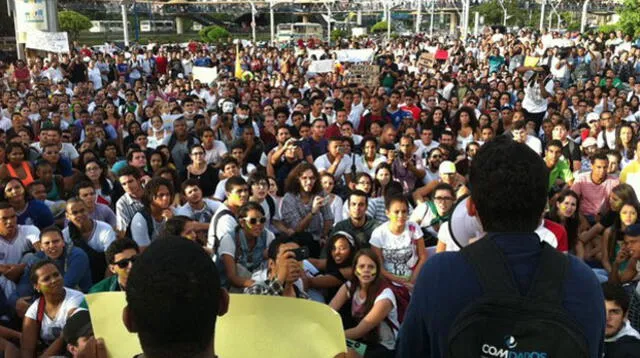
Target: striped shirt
{"x":593,"y":196}
{"x":126,"y":208}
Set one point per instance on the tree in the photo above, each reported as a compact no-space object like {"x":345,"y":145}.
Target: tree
{"x":379,"y":27}
{"x":494,"y":15}
{"x":213,"y":34}
{"x":73,"y":23}
{"x":629,"y":21}
{"x":336,"y":35}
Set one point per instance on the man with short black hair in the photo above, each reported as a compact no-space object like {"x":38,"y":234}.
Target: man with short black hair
{"x":510,"y":225}
{"x":359,"y":225}
{"x":621,"y":340}
{"x":130,"y":202}
{"x":224,"y":220}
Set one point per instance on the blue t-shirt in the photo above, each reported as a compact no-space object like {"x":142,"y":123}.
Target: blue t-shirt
{"x":398,"y":116}
{"x":447,"y":284}
{"x":37,"y":213}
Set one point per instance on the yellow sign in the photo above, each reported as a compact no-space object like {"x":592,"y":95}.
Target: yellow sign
{"x":531,"y":61}
{"x":253,"y":327}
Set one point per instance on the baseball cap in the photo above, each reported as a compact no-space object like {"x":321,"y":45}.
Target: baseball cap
{"x":592,"y":117}
{"x":447,"y":167}
{"x":78,"y":325}
{"x":589,"y":142}
{"x":632,"y":230}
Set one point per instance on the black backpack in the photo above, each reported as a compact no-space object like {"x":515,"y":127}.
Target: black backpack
{"x":504,"y":323}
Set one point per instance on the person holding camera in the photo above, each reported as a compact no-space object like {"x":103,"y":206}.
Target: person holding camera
{"x":538,"y":88}
{"x":284,"y":269}
{"x":407,"y":168}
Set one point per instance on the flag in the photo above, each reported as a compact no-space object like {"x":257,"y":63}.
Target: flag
{"x":238,"y":73}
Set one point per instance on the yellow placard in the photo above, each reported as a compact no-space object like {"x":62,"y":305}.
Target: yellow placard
{"x":255,"y":326}
{"x":531,"y":61}
{"x":105,"y":309}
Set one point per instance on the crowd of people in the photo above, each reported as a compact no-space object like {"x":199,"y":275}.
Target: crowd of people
{"x":312,"y":185}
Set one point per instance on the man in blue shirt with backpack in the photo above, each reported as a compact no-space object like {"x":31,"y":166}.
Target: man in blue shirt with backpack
{"x":507,"y":294}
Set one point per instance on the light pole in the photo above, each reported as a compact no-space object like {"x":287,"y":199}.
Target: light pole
{"x":544,"y":2}
{"x":253,"y":20}
{"x":433,"y":10}
{"x":583,"y":21}
{"x":273,"y":39}
{"x":418,"y":16}
{"x":125,"y":21}
{"x":328,"y":6}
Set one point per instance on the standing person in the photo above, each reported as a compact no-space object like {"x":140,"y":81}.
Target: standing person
{"x":539,"y":87}
{"x":511,"y":225}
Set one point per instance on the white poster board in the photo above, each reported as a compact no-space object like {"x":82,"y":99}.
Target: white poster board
{"x":322,"y":66}
{"x":360,"y":55}
{"x":206,"y":75}
{"x":57,"y":42}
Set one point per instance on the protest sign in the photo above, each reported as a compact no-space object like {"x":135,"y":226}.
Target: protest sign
{"x":360,"y":55}
{"x":57,"y":42}
{"x":206,"y":75}
{"x":364,"y":74}
{"x":261,"y":319}
{"x":322,"y":66}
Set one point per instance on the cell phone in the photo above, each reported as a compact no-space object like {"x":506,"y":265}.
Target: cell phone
{"x":302,"y":253}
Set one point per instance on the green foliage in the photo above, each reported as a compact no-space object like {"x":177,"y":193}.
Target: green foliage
{"x":336,"y":35}
{"x":73,"y":23}
{"x":607,"y":28}
{"x":379,"y":27}
{"x":213,"y":34}
{"x":494,"y":15}
{"x":629,"y":21}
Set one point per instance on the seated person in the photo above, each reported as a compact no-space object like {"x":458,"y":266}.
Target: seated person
{"x":92,"y":236}
{"x":97,"y":211}
{"x":72,"y":262}
{"x":77,"y":332}
{"x":374,"y":311}
{"x":621,"y":340}
{"x":242,"y":252}
{"x":342,"y":248}
{"x":431,"y":214}
{"x":47,"y":315}
{"x":147,"y":224}
{"x":282,"y":273}
{"x":120,"y":255}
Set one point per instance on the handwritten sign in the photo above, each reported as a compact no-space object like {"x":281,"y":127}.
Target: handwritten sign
{"x":364,"y":74}
{"x":426,"y":59}
{"x":57,"y":42}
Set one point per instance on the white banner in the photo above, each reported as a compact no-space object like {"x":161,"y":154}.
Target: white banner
{"x":57,"y":42}
{"x":315,"y":52}
{"x":206,"y":75}
{"x":322,"y":66}
{"x":362,"y":55}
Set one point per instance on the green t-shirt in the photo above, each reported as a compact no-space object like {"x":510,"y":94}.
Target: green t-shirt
{"x":560,"y":171}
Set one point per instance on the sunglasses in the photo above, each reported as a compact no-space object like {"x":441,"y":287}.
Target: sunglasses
{"x":124,"y":263}
{"x":254,"y":221}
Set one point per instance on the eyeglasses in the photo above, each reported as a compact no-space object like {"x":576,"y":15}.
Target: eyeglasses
{"x":436,"y":156}
{"x":255,"y":221}
{"x":124,"y":263}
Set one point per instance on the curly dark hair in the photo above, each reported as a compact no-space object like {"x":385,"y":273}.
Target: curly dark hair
{"x":292,"y":184}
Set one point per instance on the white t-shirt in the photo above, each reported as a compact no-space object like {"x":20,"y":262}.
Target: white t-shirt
{"x":534,"y":143}
{"x":322,"y":163}
{"x":210,"y":207}
{"x":226,"y":224}
{"x":399,"y":252}
{"x":103,"y":235}
{"x":388,"y":334}
{"x":220,"y":193}
{"x":533,"y":101}
{"x":213,"y":155}
{"x":51,"y":328}
{"x":11,"y":251}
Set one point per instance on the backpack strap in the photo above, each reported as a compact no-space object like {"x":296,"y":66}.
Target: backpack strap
{"x":548,"y":281}
{"x":216,"y":240}
{"x":149,"y":219}
{"x":40,"y":314}
{"x":491,"y":267}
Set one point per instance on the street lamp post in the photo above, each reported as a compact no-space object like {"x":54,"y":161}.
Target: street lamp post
{"x":253,"y":20}
{"x":583,"y":21}
{"x":125,"y":21}
{"x":418,"y":16}
{"x":273,"y":39}
{"x":544,"y":2}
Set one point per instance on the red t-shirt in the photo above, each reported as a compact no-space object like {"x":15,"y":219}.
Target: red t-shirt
{"x":560,"y":233}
